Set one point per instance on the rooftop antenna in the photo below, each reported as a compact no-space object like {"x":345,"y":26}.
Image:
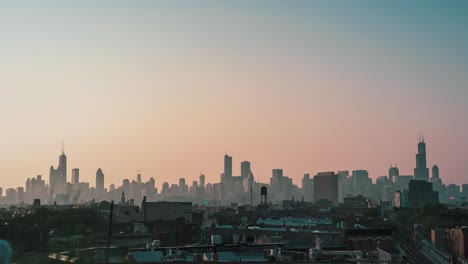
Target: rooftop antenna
{"x":423,"y":137}
{"x":63,"y":148}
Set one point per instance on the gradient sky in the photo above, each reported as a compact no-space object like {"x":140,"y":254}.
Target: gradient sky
{"x":167,"y":86}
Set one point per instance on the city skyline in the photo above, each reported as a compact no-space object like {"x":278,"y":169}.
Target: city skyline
{"x":58,"y":177}
{"x":165,"y":88}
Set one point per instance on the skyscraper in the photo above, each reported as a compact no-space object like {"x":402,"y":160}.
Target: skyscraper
{"x":75,"y":176}
{"x":421,"y":193}
{"x":139,"y":179}
{"x":393,"y":173}
{"x":227,"y":166}
{"x":62,"y":168}
{"x":421,"y":172}
{"x":245,"y":169}
{"x":99,"y":181}
{"x":435,"y":172}
{"x":58,"y":177}
{"x":326,"y":187}
{"x":202,"y":181}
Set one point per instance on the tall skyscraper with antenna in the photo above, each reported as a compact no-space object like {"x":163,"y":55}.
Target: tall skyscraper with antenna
{"x":58,"y":177}
{"x":421,"y":172}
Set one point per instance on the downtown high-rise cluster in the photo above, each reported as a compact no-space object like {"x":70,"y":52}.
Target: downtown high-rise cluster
{"x":332,"y":187}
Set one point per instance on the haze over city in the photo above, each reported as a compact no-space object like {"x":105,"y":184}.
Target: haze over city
{"x":168,"y":87}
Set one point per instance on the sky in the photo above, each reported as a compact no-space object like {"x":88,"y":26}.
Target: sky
{"x":167,"y":87}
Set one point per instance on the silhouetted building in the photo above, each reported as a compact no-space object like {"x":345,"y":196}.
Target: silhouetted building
{"x":245,"y":169}
{"x":202,"y":181}
{"x":343,"y":186}
{"x":393,"y":173}
{"x":435,"y":172}
{"x":58,"y":177}
{"x":421,"y":193}
{"x":326,"y":187}
{"x":99,"y":181}
{"x":75,"y":176}
{"x":361,"y":182}
{"x":227,"y":166}
{"x":308,"y":187}
{"x":421,"y":172}
{"x":280,"y":186}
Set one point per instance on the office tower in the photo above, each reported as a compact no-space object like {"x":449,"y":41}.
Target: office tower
{"x":10,"y":196}
{"x":435,"y":172}
{"x":28,"y":186}
{"x":326,"y":187}
{"x":393,"y":173}
{"x":245,"y":169}
{"x":58,"y":177}
{"x":421,"y":172}
{"x":308,"y":187}
{"x":281,"y":186}
{"x":277,"y":173}
{"x":227,"y":166}
{"x":183,"y":187}
{"x":421,"y":193}
{"x":99,"y":181}
{"x":202,"y":181}
{"x":62,"y":168}
{"x":152,"y":183}
{"x":20,"y":195}
{"x":75,"y":176}
{"x":361,"y":182}
{"x":139,"y":179}
{"x":343,"y":187}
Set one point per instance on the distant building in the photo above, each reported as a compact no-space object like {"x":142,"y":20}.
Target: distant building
{"x":326,"y":187}
{"x":361,"y":182}
{"x":342,"y":184}
{"x":58,"y":177}
{"x":393,"y":173}
{"x":75,"y":176}
{"x":421,"y":193}
{"x":280,"y":186}
{"x":435,"y":172}
{"x":402,"y":182}
{"x":245,"y":169}
{"x":99,"y":181}
{"x":308,"y":188}
{"x":421,"y":172}
{"x":227,"y":166}
{"x":202,"y":181}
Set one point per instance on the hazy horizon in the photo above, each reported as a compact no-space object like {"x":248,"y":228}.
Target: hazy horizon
{"x":167,"y":87}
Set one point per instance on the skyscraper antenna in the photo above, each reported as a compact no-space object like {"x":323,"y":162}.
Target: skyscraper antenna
{"x":423,"y":137}
{"x":63,"y":148}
